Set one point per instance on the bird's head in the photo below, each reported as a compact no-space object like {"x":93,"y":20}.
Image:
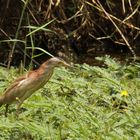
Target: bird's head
{"x":55,"y":62}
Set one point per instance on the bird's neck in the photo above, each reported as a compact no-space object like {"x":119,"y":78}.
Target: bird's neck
{"x":45,"y":70}
{"x":44,"y":74}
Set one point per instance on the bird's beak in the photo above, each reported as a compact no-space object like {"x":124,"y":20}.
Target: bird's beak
{"x":66,"y":65}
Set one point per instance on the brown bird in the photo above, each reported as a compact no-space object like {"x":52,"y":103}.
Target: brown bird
{"x":26,"y":85}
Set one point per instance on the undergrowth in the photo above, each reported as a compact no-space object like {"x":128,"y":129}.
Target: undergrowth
{"x":82,"y":103}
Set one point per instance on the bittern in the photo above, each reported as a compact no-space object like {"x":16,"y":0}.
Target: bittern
{"x":24,"y":86}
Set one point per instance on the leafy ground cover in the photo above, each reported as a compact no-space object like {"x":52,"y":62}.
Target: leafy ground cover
{"x":83,"y":103}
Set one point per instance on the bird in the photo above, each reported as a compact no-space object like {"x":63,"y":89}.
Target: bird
{"x":24,"y":86}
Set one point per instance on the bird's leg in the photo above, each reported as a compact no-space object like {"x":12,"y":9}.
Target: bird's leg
{"x":6,"y":110}
{"x":18,"y":107}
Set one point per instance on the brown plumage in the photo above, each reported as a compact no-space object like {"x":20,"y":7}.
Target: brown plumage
{"x":26,"y":85}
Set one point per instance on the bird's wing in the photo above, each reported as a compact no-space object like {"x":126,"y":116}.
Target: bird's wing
{"x":16,"y":83}
{"x":20,"y":82}
{"x":21,"y":78}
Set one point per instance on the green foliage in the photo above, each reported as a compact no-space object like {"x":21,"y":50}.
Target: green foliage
{"x":82,"y":103}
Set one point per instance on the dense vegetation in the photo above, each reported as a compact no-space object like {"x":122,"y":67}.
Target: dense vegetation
{"x":81,"y":103}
